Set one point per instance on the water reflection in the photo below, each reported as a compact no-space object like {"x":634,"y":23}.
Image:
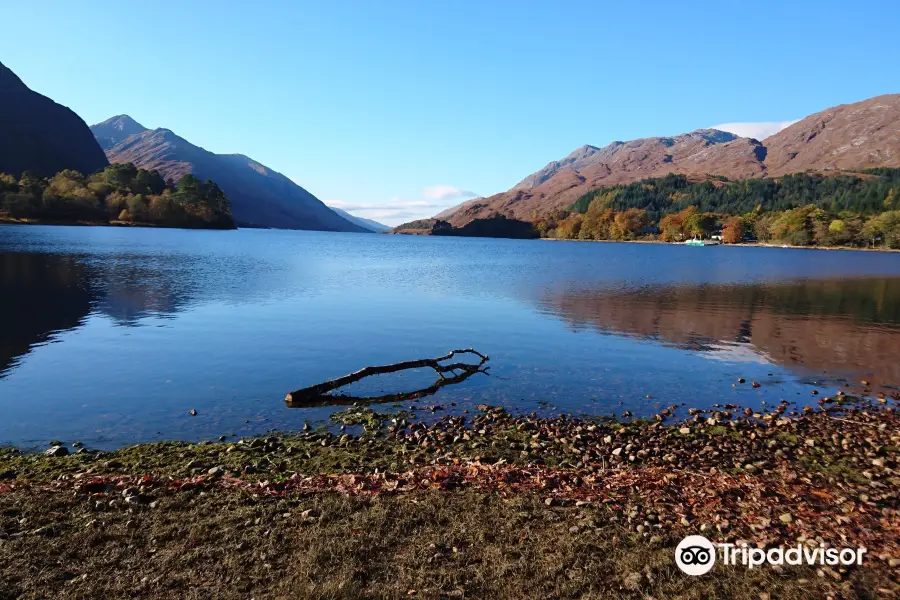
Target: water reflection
{"x":40,"y":295}
{"x":821,"y":325}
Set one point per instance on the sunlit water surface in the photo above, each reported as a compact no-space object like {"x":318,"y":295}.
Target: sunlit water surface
{"x":110,"y":336}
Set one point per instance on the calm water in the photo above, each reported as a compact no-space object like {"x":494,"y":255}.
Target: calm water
{"x":110,"y":336}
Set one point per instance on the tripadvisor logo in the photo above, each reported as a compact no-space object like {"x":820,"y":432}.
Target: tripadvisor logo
{"x":696,"y":555}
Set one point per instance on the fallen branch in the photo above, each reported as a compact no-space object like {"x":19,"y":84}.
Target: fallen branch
{"x":320,"y":393}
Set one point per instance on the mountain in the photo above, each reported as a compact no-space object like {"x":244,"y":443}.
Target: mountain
{"x":851,"y":136}
{"x":369,"y":224}
{"x":117,"y":129}
{"x":260,"y":196}
{"x":37,"y":134}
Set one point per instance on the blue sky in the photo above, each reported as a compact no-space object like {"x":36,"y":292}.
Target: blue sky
{"x":395,"y":110}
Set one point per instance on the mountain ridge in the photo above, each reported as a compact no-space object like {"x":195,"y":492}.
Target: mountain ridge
{"x":370,"y":224}
{"x":260,"y":196}
{"x":40,"y":135}
{"x":849,"y":136}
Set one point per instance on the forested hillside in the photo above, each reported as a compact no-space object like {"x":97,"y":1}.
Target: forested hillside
{"x":855,"y":209}
{"x":119,"y":193}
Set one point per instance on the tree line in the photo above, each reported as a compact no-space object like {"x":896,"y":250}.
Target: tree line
{"x":803,"y":209}
{"x":120,"y":193}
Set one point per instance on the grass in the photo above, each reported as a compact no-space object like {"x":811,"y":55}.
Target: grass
{"x":491,"y":507}
{"x":424,"y":545}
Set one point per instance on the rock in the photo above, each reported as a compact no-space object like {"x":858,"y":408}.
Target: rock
{"x":617,"y":451}
{"x":741,"y":380}
{"x":194,"y":464}
{"x":57,"y":451}
{"x":130,"y":491}
{"x":810,"y":442}
{"x":786,"y":518}
{"x":755,"y":384}
{"x":193,"y":412}
{"x":878,"y":462}
{"x":217,"y":471}
{"x":684,"y":430}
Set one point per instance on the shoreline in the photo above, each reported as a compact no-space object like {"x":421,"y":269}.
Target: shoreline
{"x":740,"y":245}
{"x":12,"y":221}
{"x":629,"y":489}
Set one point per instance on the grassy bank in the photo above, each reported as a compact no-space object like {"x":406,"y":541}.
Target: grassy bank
{"x":491,"y":506}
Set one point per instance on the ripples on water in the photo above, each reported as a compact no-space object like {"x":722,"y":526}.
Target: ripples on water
{"x":111,"y":335}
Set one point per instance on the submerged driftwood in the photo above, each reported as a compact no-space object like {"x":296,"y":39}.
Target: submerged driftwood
{"x":321,"y":392}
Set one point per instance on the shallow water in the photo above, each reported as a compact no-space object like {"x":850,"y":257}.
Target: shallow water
{"x":111,"y":335}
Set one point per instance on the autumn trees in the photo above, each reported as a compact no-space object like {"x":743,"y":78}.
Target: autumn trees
{"x":120,"y":192}
{"x":843,"y":209}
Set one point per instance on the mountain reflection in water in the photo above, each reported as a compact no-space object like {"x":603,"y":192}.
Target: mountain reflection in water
{"x":829,"y":326}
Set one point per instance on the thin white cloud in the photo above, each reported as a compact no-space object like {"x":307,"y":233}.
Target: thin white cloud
{"x":401,"y":210}
{"x":757,"y":130}
{"x":446,"y":192}
{"x":392,"y":204}
{"x":394,"y":211}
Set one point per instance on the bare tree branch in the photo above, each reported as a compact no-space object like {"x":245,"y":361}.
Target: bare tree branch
{"x":320,"y":393}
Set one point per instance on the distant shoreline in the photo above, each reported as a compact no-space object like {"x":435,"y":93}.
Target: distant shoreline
{"x":13,"y":221}
{"x":425,"y":233}
{"x":741,"y":245}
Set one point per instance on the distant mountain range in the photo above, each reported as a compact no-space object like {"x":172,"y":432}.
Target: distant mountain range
{"x":850,"y":137}
{"x":260,"y":197}
{"x":369,"y":224}
{"x":37,"y":134}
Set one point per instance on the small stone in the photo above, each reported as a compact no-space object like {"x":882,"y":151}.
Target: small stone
{"x":617,"y":451}
{"x":550,"y":501}
{"x":684,"y":430}
{"x":786,"y":518}
{"x":878,"y":462}
{"x":216,"y":471}
{"x":741,"y":380}
{"x":193,"y":412}
{"x":810,"y":442}
{"x":894,"y":562}
{"x":57,"y":451}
